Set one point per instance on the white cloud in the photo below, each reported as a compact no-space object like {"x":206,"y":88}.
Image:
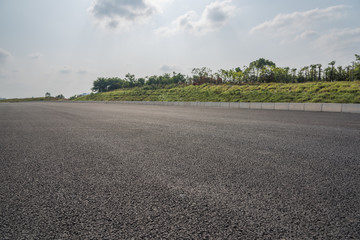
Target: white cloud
{"x":299,"y":24}
{"x":169,"y":68}
{"x":68,"y":70}
{"x":82,"y":72}
{"x":4,"y":55}
{"x":121,"y":14}
{"x":35,"y":55}
{"x":214,"y":17}
{"x":309,"y":25}
{"x":339,"y":40}
{"x":307,"y":34}
{"x":65,"y":70}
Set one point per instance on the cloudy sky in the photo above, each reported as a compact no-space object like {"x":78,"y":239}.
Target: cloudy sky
{"x":63,"y":46}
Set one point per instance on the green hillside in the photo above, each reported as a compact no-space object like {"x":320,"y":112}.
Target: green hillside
{"x":325,"y":92}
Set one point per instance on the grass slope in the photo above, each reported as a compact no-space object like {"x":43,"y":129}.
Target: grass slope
{"x":325,"y":92}
{"x":36,"y":99}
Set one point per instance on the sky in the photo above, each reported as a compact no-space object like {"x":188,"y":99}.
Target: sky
{"x":61,"y":47}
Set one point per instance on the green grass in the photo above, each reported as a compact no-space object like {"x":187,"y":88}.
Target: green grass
{"x":30,"y":99}
{"x":324,"y":92}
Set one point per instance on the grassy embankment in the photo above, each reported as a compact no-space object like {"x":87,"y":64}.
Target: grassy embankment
{"x":325,"y":92}
{"x":36,"y":99}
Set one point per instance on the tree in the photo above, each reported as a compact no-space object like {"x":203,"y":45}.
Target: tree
{"x":319,"y":66}
{"x":327,"y":73}
{"x":356,"y":67}
{"x":348,"y":73}
{"x":357,"y":72}
{"x":140,"y":82}
{"x":332,"y":63}
{"x":313,"y":72}
{"x":225,"y":75}
{"x":47,"y":95}
{"x":287,"y":77}
{"x":131,"y":79}
{"x":340,"y":74}
{"x":60,"y":96}
{"x":178,"y":78}
{"x":202,"y":72}
{"x":304,"y":74}
{"x":246,"y":74}
{"x":267,"y":74}
{"x":202,"y":75}
{"x":257,"y":65}
{"x":357,"y":57}
{"x":293,"y":74}
{"x":99,"y":85}
{"x":237,"y":76}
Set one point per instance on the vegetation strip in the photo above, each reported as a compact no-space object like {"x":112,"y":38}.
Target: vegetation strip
{"x":312,"y":92}
{"x":259,"y":71}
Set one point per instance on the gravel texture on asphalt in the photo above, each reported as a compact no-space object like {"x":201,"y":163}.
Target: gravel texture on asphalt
{"x":117,"y":171}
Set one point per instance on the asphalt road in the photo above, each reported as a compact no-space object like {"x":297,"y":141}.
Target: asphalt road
{"x":113,"y":171}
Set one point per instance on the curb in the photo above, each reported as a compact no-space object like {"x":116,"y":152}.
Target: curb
{"x":307,"y":107}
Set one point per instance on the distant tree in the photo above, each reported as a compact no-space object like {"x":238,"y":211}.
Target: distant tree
{"x":47,"y":94}
{"x":257,"y":65}
{"x":73,"y":97}
{"x":60,"y":96}
{"x":140,"y":82}
{"x":202,"y":72}
{"x":268,"y":74}
{"x":287,"y":77}
{"x":238,"y":69}
{"x":237,"y":76}
{"x":313,"y":72}
{"x":332,"y":63}
{"x":357,"y":72}
{"x":99,"y":85}
{"x":225,"y":75}
{"x":202,"y":75}
{"x":319,"y":67}
{"x":293,"y":70}
{"x":356,"y":67}
{"x":262,"y":62}
{"x":327,"y":73}
{"x":304,"y":72}
{"x":341,"y":74}
{"x":152,"y":80}
{"x":131,"y":79}
{"x":357,"y":57}
{"x":348,"y":73}
{"x":178,"y":78}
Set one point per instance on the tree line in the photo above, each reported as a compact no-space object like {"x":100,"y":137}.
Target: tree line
{"x":259,"y":71}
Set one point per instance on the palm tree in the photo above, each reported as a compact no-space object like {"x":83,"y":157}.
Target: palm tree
{"x":348,"y":74}
{"x":306,"y":70}
{"x":332,"y":63}
{"x":340,"y":75}
{"x":293,"y":70}
{"x":327,"y":72}
{"x":313,"y":71}
{"x":319,"y":66}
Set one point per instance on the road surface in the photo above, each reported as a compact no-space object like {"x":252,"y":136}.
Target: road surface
{"x":116,"y":171}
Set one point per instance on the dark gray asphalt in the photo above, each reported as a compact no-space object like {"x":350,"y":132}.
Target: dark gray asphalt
{"x":112,"y":171}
